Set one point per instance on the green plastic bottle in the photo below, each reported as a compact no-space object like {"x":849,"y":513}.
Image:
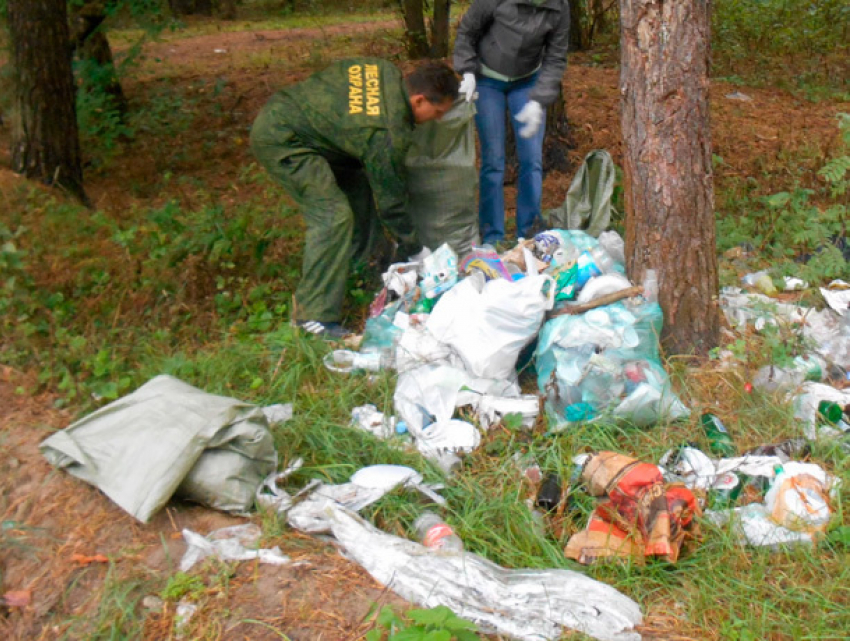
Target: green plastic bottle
{"x":830,"y":412}
{"x":719,"y":441}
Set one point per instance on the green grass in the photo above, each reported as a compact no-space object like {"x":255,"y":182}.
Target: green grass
{"x":114,"y":615}
{"x":100,"y":305}
{"x":96,"y":303}
{"x":251,"y":19}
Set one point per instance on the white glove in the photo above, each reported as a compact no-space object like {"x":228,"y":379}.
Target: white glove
{"x":419,"y":257}
{"x":467,"y":87}
{"x":531,"y":115}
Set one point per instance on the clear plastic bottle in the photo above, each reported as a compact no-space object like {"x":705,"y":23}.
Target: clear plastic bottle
{"x":345,"y":361}
{"x":591,"y":263}
{"x":650,"y":286}
{"x":436,"y":534}
{"x":602,"y":259}
{"x":803,"y":368}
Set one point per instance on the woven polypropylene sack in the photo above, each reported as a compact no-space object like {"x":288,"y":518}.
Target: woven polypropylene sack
{"x":587,"y":205}
{"x":168,"y":438}
{"x":443,"y":180}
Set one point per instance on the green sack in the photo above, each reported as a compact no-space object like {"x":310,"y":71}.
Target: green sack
{"x":443,"y":180}
{"x":169,"y":438}
{"x":588,"y":202}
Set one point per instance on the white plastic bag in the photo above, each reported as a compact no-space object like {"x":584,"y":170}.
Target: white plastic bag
{"x":798,"y":499}
{"x":235,"y":543}
{"x":431,"y":393}
{"x":489,"y":324}
{"x":526,"y":604}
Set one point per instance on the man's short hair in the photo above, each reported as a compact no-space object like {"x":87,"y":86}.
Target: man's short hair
{"x":434,"y":80}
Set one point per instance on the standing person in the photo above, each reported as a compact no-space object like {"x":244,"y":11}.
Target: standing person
{"x":337,"y":143}
{"x":514,"y":53}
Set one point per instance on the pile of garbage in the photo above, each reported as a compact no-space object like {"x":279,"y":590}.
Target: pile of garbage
{"x":455,"y":330}
{"x":458,"y":332}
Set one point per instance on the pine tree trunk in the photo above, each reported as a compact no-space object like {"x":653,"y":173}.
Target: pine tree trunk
{"x":669,"y":193}
{"x":440,"y":29}
{"x":416,"y":38}
{"x":45,"y":142}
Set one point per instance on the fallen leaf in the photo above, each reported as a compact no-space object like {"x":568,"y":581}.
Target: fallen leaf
{"x":84,"y":559}
{"x":16,"y":598}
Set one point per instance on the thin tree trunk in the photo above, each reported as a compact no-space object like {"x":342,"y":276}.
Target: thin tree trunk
{"x":227,"y":9}
{"x":558,"y":140}
{"x":669,"y":193}
{"x":45,"y":142}
{"x":440,"y":29}
{"x":191,"y":7}
{"x":578,"y":16}
{"x":92,"y":44}
{"x":416,"y":38}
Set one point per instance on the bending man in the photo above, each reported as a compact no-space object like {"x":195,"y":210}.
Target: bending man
{"x":337,"y":143}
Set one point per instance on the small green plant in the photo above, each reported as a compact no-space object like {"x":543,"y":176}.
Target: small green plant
{"x":837,"y":171}
{"x":99,"y":115}
{"x":183,"y":585}
{"x":435,"y":624}
{"x":802,"y":231}
{"x":795,"y":44}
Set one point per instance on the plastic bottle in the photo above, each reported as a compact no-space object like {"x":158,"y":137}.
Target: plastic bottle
{"x":830,"y":412}
{"x":725,"y":491}
{"x":771,"y":378}
{"x":549,"y":496}
{"x":761,"y":281}
{"x":650,"y":286}
{"x":719,"y":440}
{"x":344,"y":361}
{"x":591,"y":263}
{"x":435,"y":534}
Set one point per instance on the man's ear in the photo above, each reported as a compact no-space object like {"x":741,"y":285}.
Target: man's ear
{"x":417,"y":100}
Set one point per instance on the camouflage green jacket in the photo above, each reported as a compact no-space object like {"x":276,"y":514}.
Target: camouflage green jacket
{"x":357,"y":109}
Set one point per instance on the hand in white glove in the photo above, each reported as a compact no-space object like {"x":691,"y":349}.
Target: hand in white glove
{"x":531,"y":116}
{"x":420,"y":256}
{"x":419,"y":259}
{"x":467,"y":87}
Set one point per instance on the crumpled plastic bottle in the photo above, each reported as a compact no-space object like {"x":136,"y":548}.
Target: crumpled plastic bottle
{"x":771,"y":378}
{"x":435,"y":534}
{"x":344,"y":361}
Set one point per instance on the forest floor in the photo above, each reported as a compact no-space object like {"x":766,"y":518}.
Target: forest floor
{"x":215,"y":84}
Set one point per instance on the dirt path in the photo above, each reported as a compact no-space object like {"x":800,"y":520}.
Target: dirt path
{"x":73,"y":552}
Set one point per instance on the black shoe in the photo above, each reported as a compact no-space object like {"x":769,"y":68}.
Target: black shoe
{"x":325,"y":330}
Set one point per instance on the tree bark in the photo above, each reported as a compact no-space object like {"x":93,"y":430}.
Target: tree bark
{"x":440,"y":29}
{"x":227,"y":9}
{"x":92,"y":44}
{"x":578,"y":17}
{"x":669,"y":193}
{"x":416,"y":38}
{"x":558,"y":140}
{"x":45,"y":142}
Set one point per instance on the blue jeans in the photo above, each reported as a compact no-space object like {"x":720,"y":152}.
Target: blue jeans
{"x":494,"y":97}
